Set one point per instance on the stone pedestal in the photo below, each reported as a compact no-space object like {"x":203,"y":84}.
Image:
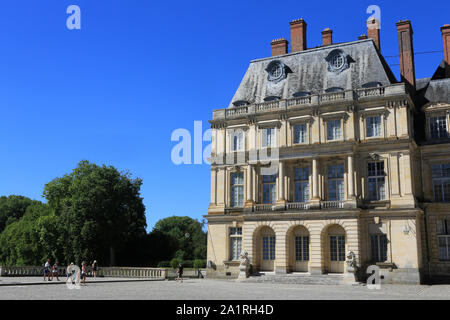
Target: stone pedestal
{"x":244,"y":267}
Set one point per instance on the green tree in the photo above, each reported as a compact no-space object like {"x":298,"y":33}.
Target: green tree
{"x":188,"y":237}
{"x":12,"y":208}
{"x":23,"y":242}
{"x":100,"y":213}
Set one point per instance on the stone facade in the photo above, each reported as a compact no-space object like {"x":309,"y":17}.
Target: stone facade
{"x":321,"y":153}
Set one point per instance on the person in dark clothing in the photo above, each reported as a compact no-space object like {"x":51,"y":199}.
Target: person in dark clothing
{"x":180,"y":272}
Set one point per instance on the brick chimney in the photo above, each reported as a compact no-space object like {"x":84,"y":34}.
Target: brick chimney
{"x":446,"y":38}
{"x":327,"y":37}
{"x":298,"y":35}
{"x":373,"y":31}
{"x":279,"y":46}
{"x":406,"y":51}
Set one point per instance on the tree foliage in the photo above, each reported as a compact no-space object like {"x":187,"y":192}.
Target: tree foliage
{"x":93,"y":213}
{"x":12,"y":208}
{"x":100,"y":213}
{"x":188,"y":237}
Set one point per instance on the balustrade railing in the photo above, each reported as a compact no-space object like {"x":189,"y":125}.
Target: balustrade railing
{"x":231,"y":112}
{"x":116,"y":272}
{"x":371,"y":92}
{"x":333,"y":96}
{"x":392,"y":90}
{"x":299,"y":101}
{"x":298,"y":205}
{"x":332,"y":204}
{"x":268,"y":106}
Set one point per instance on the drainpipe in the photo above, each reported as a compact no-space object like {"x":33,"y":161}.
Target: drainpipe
{"x":425,"y":217}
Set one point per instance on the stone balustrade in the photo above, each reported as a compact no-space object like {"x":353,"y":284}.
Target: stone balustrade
{"x":304,"y":206}
{"x":116,"y":272}
{"x":312,"y":100}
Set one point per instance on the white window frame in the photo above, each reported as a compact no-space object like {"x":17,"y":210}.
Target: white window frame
{"x":241,"y":186}
{"x":442,"y":133}
{"x":341,"y":131}
{"x":377,"y":177}
{"x":442,"y":182}
{"x":376,"y":133}
{"x":336,"y":180}
{"x":443,"y":234}
{"x":235,"y":235}
{"x":273,"y":141}
{"x":303,"y":183}
{"x":305,"y":135}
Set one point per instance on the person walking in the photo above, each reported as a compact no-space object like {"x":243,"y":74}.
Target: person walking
{"x":94,"y":268}
{"x":180,"y":272}
{"x":69,"y":273}
{"x":55,"y":271}
{"x":47,"y":270}
{"x":83,"y":272}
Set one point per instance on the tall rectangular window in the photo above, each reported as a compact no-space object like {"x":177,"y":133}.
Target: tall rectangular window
{"x":336,"y":182}
{"x":268,"y":136}
{"x":379,"y":247}
{"x":334,"y":129}
{"x":269,"y":248}
{"x":235,"y":243}
{"x":376,"y":180}
{"x":441,"y":182}
{"x":269,"y":189}
{"x":443,"y":234}
{"x":300,"y":133}
{"x":238,"y":140}
{"x":337,"y":248}
{"x":302,"y":248}
{"x":237,"y":189}
{"x":438,"y":127}
{"x":373,"y":126}
{"x":301,"y":181}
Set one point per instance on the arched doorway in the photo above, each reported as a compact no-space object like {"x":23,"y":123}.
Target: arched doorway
{"x":264,"y":240}
{"x":298,"y":249}
{"x":334,"y":249}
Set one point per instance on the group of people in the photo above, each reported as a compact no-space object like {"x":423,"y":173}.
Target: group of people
{"x":51,"y":271}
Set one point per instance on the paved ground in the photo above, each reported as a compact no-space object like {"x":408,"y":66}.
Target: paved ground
{"x":203,"y":289}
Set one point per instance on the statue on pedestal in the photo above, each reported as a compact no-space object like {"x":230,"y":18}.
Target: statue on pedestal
{"x":350,"y":274}
{"x":244,"y":266}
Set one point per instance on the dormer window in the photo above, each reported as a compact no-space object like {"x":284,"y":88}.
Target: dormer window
{"x":438,"y":127}
{"x":372,"y":85}
{"x":276,"y":71}
{"x":240,"y":103}
{"x":337,"y":61}
{"x":299,"y":94}
{"x":334,"y":89}
{"x":271,"y":98}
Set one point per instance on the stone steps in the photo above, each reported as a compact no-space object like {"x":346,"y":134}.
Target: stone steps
{"x":306,"y":279}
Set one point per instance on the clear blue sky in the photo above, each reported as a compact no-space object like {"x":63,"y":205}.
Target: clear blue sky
{"x":113,"y":92}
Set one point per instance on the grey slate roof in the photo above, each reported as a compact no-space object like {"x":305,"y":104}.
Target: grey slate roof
{"x":308,"y":71}
{"x":438,"y":91}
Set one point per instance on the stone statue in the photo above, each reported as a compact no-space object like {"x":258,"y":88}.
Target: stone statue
{"x":350,"y":276}
{"x":244,"y":266}
{"x":351,"y":260}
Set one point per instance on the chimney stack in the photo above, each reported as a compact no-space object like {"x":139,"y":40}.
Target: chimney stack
{"x":327,"y":37}
{"x":373,"y":31}
{"x":446,"y":38}
{"x":298,"y":35}
{"x":406,"y":51}
{"x":279,"y":47}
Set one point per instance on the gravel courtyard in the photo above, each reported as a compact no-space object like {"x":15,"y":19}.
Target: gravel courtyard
{"x":201,"y":289}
